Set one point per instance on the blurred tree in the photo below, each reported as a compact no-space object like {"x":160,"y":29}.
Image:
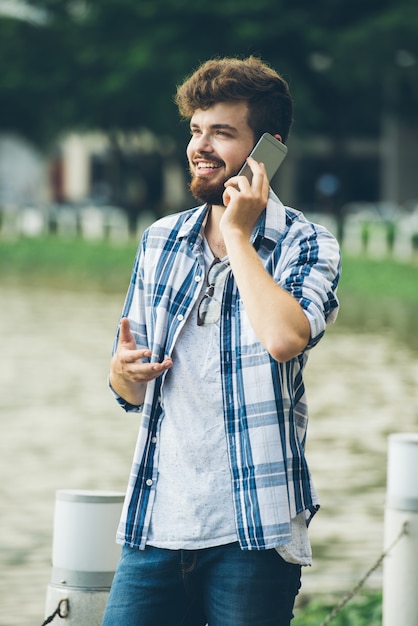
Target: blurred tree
{"x":113,"y":65}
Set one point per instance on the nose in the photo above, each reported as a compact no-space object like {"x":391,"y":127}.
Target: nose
{"x":202,"y":143}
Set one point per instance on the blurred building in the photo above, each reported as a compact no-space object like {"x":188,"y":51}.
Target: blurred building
{"x":23,"y":172}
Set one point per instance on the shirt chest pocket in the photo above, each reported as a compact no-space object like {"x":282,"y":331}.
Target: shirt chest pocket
{"x":210,"y":370}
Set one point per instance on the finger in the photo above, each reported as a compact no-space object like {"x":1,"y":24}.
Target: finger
{"x":134,"y":356}
{"x":226,"y":197}
{"x":125,"y":335}
{"x":255,"y":164}
{"x":144,"y":372}
{"x":258,"y":169}
{"x":164,"y":365}
{"x":234,"y":182}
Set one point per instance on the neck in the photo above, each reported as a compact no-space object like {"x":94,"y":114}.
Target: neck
{"x":213,"y":233}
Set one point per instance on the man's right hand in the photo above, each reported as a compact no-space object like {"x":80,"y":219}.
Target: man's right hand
{"x":129,"y":375}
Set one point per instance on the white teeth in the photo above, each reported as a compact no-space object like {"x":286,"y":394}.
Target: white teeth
{"x":207,"y":166}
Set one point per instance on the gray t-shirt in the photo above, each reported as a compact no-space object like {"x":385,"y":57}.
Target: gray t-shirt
{"x":194,"y":505}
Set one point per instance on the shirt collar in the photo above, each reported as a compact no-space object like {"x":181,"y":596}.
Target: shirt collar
{"x":193,"y":226}
{"x":268,"y":230}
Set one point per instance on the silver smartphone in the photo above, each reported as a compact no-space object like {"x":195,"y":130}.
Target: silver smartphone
{"x":267,"y":150}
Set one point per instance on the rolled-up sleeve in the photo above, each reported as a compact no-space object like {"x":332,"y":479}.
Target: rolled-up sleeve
{"x":311,"y":273}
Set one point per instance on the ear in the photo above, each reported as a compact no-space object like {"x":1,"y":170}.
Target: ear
{"x":279,"y":137}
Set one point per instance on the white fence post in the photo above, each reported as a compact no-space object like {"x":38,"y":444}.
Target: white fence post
{"x":400,"y":567}
{"x":84,"y":554}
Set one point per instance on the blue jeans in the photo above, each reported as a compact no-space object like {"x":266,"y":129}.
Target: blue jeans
{"x":221,"y":586}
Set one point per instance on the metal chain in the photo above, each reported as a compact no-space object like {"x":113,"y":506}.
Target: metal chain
{"x":351,"y":594}
{"x":61,"y":611}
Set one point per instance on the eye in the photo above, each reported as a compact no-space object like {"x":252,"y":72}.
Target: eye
{"x":224,"y":133}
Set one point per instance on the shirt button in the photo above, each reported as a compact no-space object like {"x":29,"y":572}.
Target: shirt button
{"x":198,"y":279}
{"x":149,"y":482}
{"x":154,"y":440}
{"x":180,"y":317}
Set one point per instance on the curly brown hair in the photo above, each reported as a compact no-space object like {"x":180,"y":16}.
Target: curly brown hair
{"x":252,"y":80}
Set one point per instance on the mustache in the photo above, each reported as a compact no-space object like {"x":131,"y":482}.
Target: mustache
{"x":208,"y":157}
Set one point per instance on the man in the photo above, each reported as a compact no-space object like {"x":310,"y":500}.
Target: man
{"x":225,"y":302}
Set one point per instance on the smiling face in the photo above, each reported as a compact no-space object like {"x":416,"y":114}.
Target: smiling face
{"x":221,"y":141}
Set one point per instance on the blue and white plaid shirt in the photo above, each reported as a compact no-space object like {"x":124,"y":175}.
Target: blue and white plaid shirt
{"x":264,"y":401}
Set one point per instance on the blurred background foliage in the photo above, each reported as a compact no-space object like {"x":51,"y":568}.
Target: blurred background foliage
{"x":114,"y":64}
{"x":72,"y":69}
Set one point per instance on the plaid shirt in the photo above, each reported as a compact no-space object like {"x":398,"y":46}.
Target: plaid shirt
{"x":264,"y":401}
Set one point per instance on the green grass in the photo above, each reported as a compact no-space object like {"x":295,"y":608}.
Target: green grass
{"x":67,"y":263}
{"x":77,"y":263}
{"x":386,"y":278}
{"x":379,"y":297}
{"x":363,"y":610}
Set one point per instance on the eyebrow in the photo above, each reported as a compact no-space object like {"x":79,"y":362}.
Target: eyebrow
{"x":217,"y":126}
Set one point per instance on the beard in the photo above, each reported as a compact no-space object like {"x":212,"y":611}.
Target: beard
{"x":205,"y":191}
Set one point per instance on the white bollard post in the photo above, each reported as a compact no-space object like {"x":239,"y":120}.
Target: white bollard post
{"x":84,"y":554}
{"x":400,"y":567}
